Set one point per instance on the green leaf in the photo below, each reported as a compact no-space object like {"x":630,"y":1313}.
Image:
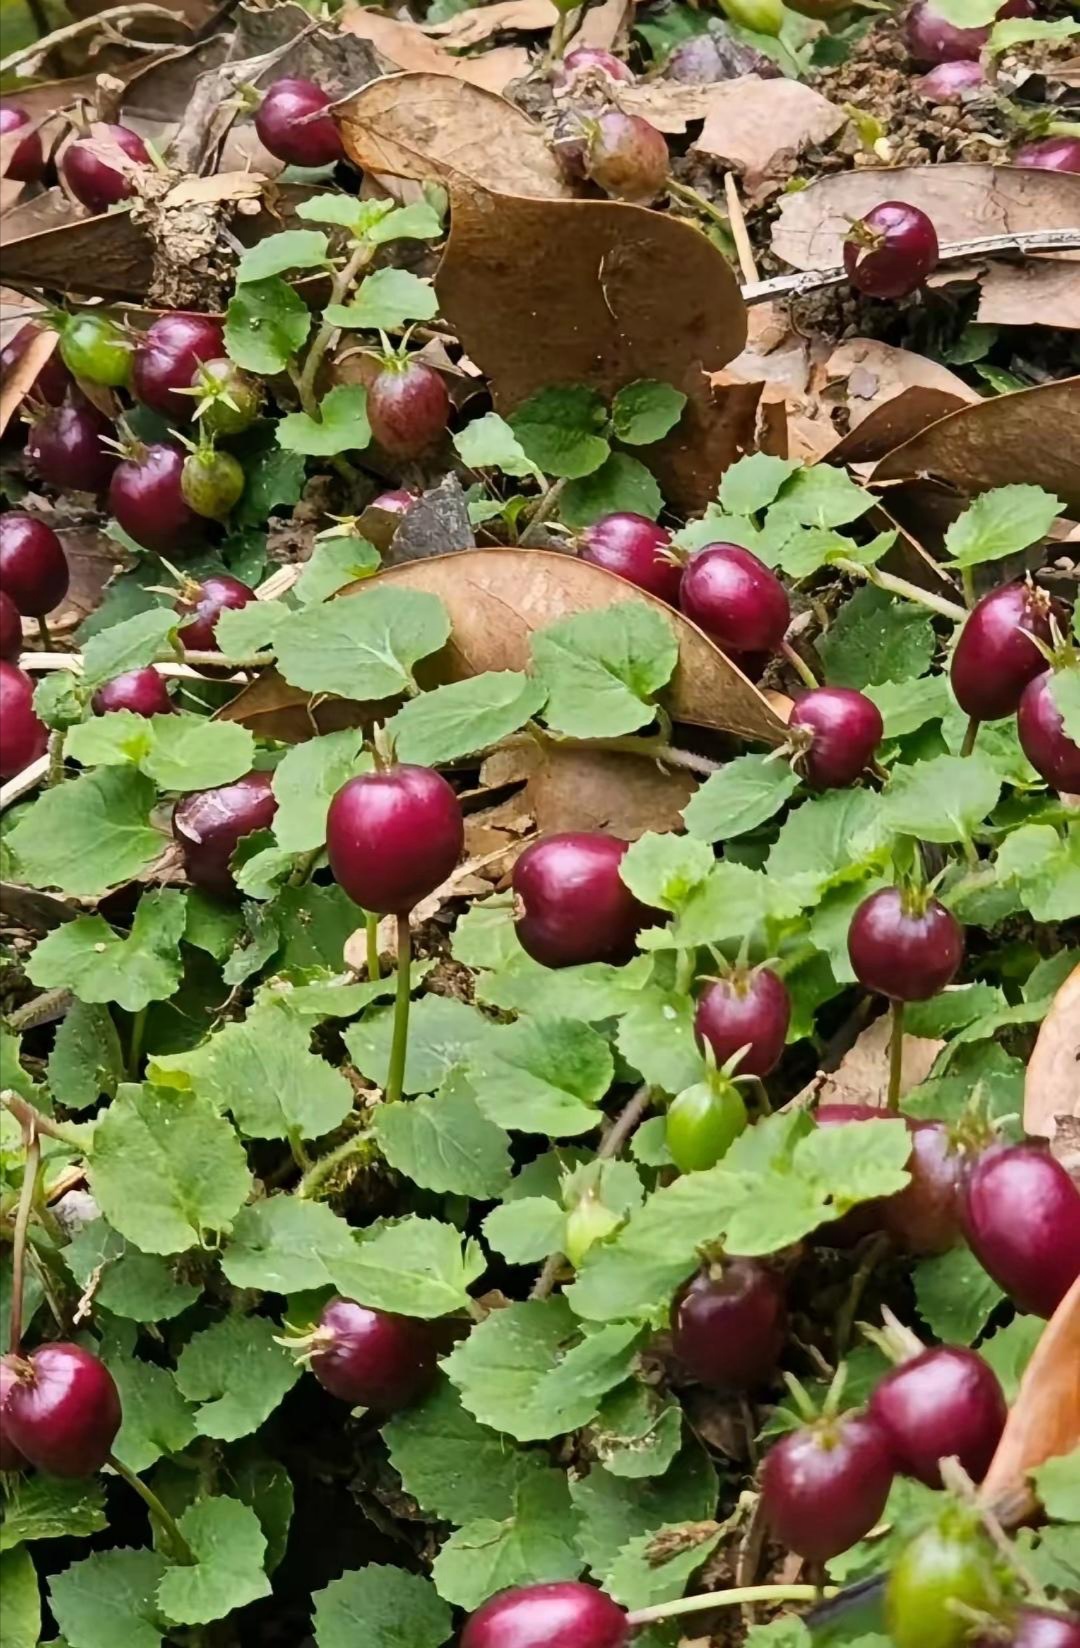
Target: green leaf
{"x":875,"y":638}
{"x":386,"y":301}
{"x":306,"y":780}
{"x":418,"y":221}
{"x":810,"y":548}
{"x":751,"y":484}
{"x":908,"y":705}
{"x":484,"y":936}
{"x":191,"y":753}
{"x":541,"y":1076}
{"x":526,"y":1231}
{"x":87,"y":956}
{"x":621,"y":483}
{"x":53,"y":1507}
{"x":292,"y":249}
{"x":945,"y":799}
{"x":562,"y":430}
{"x":334,"y":563}
{"x":128,"y":645}
{"x":415,"y":1266}
{"x":442,"y":1031}
{"x":638,"y":1431}
{"x":1057,"y":1484}
{"x":238,"y":1372}
{"x":86,"y":1059}
{"x":20,"y":1624}
{"x":968,"y":14}
{"x":345,"y":212}
{"x":742,"y":795}
{"x":733,"y":900}
{"x":157,"y":1420}
{"x":821,"y":497}
{"x":786,"y":1632}
{"x":240,"y":631}
{"x":490,"y":443}
{"x":365,"y":646}
{"x":645,"y":411}
{"x":641,"y":1576}
{"x":110,"y":1598}
{"x":139,"y":1286}
{"x":284,"y":1245}
{"x":656,"y":1037}
{"x":611,"y":1511}
{"x":532,"y":1544}
{"x":265,"y":324}
{"x":445,"y":1143}
{"x":1009,"y":1351}
{"x":455,"y":1468}
{"x":341,"y":426}
{"x":1021,"y":31}
{"x":464,"y":717}
{"x":824,"y":839}
{"x":1065,"y":692}
{"x":955,"y":1296}
{"x":58,"y":700}
{"x":89,"y":834}
{"x":663,"y":870}
{"x":952,"y":1009}
{"x":592,"y":992}
{"x":167,"y":1172}
{"x":229,"y":1548}
{"x":274,"y":480}
{"x":602,"y":669}
{"x":383,"y":1608}
{"x":1049,"y":1556}
{"x":1001,"y":522}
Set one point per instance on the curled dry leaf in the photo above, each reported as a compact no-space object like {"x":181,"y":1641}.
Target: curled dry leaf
{"x":862,"y":1076}
{"x":887,"y":425}
{"x":581,"y":789}
{"x":406,"y":46}
{"x":477,"y":24}
{"x":1052,"y":1085}
{"x":1039,"y":291}
{"x":434,"y":125}
{"x":24,"y":373}
{"x":1044,"y":1421}
{"x":760,"y":127}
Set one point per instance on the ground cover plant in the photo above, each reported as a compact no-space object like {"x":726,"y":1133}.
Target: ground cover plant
{"x":540,"y":756}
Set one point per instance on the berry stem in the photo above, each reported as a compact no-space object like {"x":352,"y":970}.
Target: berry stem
{"x":730,"y":1599}
{"x":698,"y":203}
{"x":135,"y":1046}
{"x":971,"y":733}
{"x":55,"y":773}
{"x":800,"y":666}
{"x":546,"y":504}
{"x":371,"y":925}
{"x":22,"y":1220}
{"x":896,"y":1056}
{"x":901,"y":586}
{"x":396,"y":1074}
{"x":181,"y":1550}
{"x":26,"y":1113}
{"x":967,"y":581}
{"x":321,"y":342}
{"x":44,"y":636}
{"x":845,"y":1316}
{"x":356,"y":1144}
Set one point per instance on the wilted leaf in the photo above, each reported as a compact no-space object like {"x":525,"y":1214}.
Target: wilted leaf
{"x":1052,"y":1086}
{"x":761,"y":126}
{"x":1044,"y":1421}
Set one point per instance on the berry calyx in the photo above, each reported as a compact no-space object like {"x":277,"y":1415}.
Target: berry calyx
{"x":729,"y":1324}
{"x":286,"y":131}
{"x":95,"y":183}
{"x":634,"y":548}
{"x":371,"y":1358}
{"x":23,"y":737}
{"x":1040,"y":727}
{"x":205,"y":603}
{"x":26,"y":162}
{"x":212,"y":482}
{"x":890,"y":252}
{"x":62,"y":1409}
{"x":945,"y":1402}
{"x":33,"y":567}
{"x":563,"y":1614}
{"x":572,"y":906}
{"x":393,"y":837}
{"x":408,"y":406}
{"x":904,"y":944}
{"x":66,"y":448}
{"x":703,"y":1122}
{"x":1052,"y":154}
{"x":626,"y":157}
{"x":844,"y":727}
{"x":167,"y":358}
{"x":146,"y":496}
{"x":750,"y":1011}
{"x":735,"y":599}
{"x":932,"y":39}
{"x":824,"y":1486}
{"x":209,"y":824}
{"x":95,"y":349}
{"x":10,"y":628}
{"x":142,"y":691}
{"x":996,"y":657}
{"x":226,"y":400}
{"x":1022,"y":1217}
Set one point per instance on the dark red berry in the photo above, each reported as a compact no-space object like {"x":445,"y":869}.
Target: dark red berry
{"x":10,"y":1457}
{"x":945,"y":1402}
{"x":52,"y":382}
{"x":397,"y":502}
{"x":142,"y":691}
{"x":1040,"y":726}
{"x":846,"y":728}
{"x":372,"y":1358}
{"x":572,"y":905}
{"x":26,"y":161}
{"x":1036,"y":1628}
{"x":824,"y":1487}
{"x":209,"y":824}
{"x":626,"y":157}
{"x":146,"y":496}
{"x":953,"y":82}
{"x":1022,"y":1215}
{"x":63,"y":1410}
{"x":65,"y":447}
{"x":90,"y":178}
{"x":735,"y":599}
{"x":889,"y":252}
{"x":906,"y":946}
{"x":408,"y":407}
{"x":926,"y":1217}
{"x":994,"y":659}
{"x":393,"y":837}
{"x":750,"y":1010}
{"x":633,"y":547}
{"x":283,"y":130}
{"x":563,"y":1614}
{"x":33,"y":567}
{"x":166,"y":360}
{"x":593,"y":59}
{"x":10,"y":628}
{"x":22,"y":736}
{"x":206,"y":602}
{"x":1053,"y":154}
{"x":729,"y":1324}
{"x":931,"y":39}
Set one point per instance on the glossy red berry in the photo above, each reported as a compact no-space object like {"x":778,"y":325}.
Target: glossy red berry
{"x":10,"y":1457}
{"x":52,"y":382}
{"x":845,"y":727}
{"x":626,"y":157}
{"x":945,"y":1402}
{"x":33,"y":567}
{"x":824,"y":1486}
{"x":572,"y":904}
{"x":926,"y":1217}
{"x":65,"y":448}
{"x":92,"y":181}
{"x":22,"y":736}
{"x":1036,"y":1628}
{"x":142,"y":691}
{"x":372,"y":1358}
{"x":283,"y":128}
{"x":994,"y":659}
{"x":10,"y":628}
{"x":953,"y":82}
{"x":1040,"y":726}
{"x":735,"y":599}
{"x":729,"y":1324}
{"x":750,"y":1010}
{"x":1022,"y":1216}
{"x":563,"y":1614}
{"x":393,"y":837}
{"x":209,"y":824}
{"x":889,"y":252}
{"x":166,"y":360}
{"x":593,"y":60}
{"x":205,"y":603}
{"x":62,"y":1410}
{"x":146,"y":496}
{"x":26,"y":161}
{"x":1052,"y":154}
{"x":904,"y":946}
{"x":396,"y":502}
{"x":931,"y":39}
{"x":633,"y":547}
{"x":408,"y":407}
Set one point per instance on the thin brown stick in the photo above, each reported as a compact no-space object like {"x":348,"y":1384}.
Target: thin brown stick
{"x":743,"y":248}
{"x":22,"y":1220}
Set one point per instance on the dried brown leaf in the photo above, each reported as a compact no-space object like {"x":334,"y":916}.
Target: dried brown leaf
{"x":606,"y":24}
{"x":1044,"y":1421}
{"x":1052,"y":1086}
{"x":760,"y":127}
{"x":479,"y":23}
{"x":862,"y":1076}
{"x":407,"y":46}
{"x":24,"y":373}
{"x":1040,"y":291}
{"x":570,"y":789}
